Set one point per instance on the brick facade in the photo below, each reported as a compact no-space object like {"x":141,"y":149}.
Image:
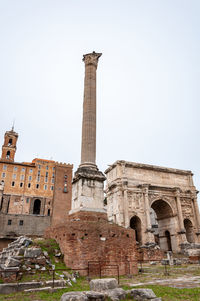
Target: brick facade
{"x":32,"y":195}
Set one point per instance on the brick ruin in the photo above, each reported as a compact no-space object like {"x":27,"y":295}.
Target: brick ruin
{"x":90,"y":238}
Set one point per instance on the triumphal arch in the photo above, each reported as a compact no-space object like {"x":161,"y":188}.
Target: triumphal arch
{"x":159,"y":203}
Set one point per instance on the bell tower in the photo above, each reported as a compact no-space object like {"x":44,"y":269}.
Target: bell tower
{"x":9,"y":147}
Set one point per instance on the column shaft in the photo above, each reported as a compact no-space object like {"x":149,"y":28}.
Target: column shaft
{"x":196,"y":207}
{"x":180,"y":215}
{"x":88,"y":149}
{"x":126,"y":215}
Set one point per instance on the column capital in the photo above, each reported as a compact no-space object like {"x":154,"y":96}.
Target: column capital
{"x":145,"y":187}
{"x":194,"y":193}
{"x":177,"y":191}
{"x":91,"y":58}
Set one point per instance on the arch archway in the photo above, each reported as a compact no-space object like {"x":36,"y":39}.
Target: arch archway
{"x":8,"y":155}
{"x":166,"y":224}
{"x":36,"y":207}
{"x":135,"y":223}
{"x":189,"y":230}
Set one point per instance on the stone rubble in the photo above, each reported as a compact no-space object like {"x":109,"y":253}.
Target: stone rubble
{"x":21,"y":256}
{"x":108,"y":288}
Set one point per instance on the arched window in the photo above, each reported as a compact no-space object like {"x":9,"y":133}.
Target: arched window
{"x":36,"y":206}
{"x":10,"y":142}
{"x":8,"y":155}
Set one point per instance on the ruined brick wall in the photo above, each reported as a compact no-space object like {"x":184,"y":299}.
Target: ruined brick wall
{"x":150,"y":254}
{"x":62,"y":193}
{"x":90,"y":237}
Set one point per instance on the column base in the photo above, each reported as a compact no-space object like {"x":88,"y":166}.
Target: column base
{"x":87,"y":190}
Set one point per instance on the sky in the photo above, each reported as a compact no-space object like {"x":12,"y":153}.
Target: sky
{"x":147,"y":79}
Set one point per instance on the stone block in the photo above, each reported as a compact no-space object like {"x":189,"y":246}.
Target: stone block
{"x":95,"y":296}
{"x":142,"y":294}
{"x":74,"y":296}
{"x":116,"y":294}
{"x":32,"y":252}
{"x":100,"y":285}
{"x":12,"y":262}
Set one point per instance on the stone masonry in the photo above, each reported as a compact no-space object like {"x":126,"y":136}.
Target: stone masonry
{"x":87,"y":187}
{"x":159,"y":203}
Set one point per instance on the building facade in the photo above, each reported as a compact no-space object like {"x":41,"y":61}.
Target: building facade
{"x":159,"y":203}
{"x":32,"y":195}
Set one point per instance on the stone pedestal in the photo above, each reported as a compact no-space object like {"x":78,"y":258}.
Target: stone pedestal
{"x":87,"y":190}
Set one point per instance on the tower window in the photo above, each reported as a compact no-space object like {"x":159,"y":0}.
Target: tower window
{"x":38,"y":179}
{"x":53,"y":168}
{"x":15,"y":168}
{"x":39,"y":166}
{"x":8,"y":155}
{"x":47,"y":174}
{"x":30,"y":178}
{"x":53,"y":175}
{"x":46,"y":180}
{"x":45,"y":187}
{"x":14,"y":176}
{"x":22,"y":177}
{"x":21,"y":222}
{"x":9,"y":222}
{"x":5,"y":167}
{"x":30,"y":170}
{"x":51,"y":187}
{"x":49,"y":211}
{"x":52,"y":180}
{"x":47,"y":167}
{"x":21,"y":184}
{"x":23,"y":169}
{"x":10,"y":142}
{"x":29,"y":185}
{"x":13,"y":184}
{"x":3,"y":175}
{"x":37,"y":186}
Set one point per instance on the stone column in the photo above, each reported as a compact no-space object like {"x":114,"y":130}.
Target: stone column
{"x":196,"y":209}
{"x":150,"y":236}
{"x":180,"y":216}
{"x":126,"y":215}
{"x":88,"y":149}
{"x":87,"y":184}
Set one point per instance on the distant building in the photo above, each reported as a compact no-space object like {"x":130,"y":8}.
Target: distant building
{"x":33,"y":195}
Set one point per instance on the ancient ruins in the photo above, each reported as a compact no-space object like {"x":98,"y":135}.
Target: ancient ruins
{"x":93,"y":225}
{"x":87,"y":236}
{"x":159,"y":203}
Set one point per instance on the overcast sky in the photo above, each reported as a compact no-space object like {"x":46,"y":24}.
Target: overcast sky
{"x":147,"y":79}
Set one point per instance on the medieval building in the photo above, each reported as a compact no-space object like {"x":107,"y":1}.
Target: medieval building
{"x":33,"y":195}
{"x":159,"y":203}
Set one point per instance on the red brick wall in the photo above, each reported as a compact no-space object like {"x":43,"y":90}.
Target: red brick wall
{"x":62,"y":198}
{"x":88,"y":236}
